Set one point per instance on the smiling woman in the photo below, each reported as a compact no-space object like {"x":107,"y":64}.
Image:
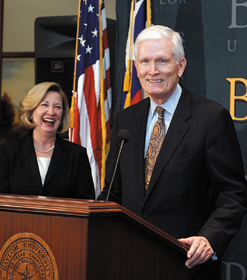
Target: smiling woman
{"x":42,"y":163}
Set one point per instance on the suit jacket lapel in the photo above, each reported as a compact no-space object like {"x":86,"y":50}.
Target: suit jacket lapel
{"x":60,"y":155}
{"x":27,"y":157}
{"x":141,"y":122}
{"x":175,"y":134}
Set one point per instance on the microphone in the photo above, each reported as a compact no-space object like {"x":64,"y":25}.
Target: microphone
{"x":123,"y":137}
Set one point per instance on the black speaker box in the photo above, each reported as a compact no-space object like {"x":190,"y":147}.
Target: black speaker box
{"x":55,"y":39}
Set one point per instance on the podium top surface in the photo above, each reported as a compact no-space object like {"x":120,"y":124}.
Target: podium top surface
{"x":83,"y":208}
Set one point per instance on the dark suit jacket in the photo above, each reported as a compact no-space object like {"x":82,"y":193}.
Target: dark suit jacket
{"x":69,"y":173}
{"x":198,"y":185}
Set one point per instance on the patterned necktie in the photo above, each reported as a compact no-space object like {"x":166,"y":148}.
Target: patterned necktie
{"x":154,"y":146}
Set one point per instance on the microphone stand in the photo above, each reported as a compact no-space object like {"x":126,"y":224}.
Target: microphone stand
{"x":115,"y":169}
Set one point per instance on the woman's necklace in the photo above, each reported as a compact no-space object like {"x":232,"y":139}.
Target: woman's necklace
{"x":44,"y":151}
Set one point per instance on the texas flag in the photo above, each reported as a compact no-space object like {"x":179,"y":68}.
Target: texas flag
{"x":140,"y":18}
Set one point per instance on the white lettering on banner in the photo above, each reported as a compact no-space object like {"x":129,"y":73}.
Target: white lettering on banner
{"x":234,"y":14}
{"x":234,"y":47}
{"x":229,"y":266}
{"x":172,"y":2}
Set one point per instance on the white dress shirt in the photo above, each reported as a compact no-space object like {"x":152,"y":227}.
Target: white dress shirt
{"x":43,"y":167}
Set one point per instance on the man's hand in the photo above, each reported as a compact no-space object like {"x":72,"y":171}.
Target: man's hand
{"x":199,"y":252}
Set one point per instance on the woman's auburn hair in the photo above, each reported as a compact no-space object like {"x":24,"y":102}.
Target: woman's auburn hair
{"x":33,"y":99}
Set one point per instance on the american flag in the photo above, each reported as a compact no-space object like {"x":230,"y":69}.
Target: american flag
{"x":140,"y":14}
{"x":92,"y":91}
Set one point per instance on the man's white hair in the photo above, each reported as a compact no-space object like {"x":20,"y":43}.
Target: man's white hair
{"x":159,"y":32}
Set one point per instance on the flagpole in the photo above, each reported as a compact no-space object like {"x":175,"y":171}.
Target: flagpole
{"x":128,"y":74}
{"x":149,"y":17}
{"x":72,"y":107}
{"x":102,"y":101}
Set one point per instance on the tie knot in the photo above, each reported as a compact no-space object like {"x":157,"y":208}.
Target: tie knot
{"x":160,"y":110}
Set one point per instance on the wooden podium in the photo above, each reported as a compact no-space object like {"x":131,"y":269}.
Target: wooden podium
{"x":69,"y":239}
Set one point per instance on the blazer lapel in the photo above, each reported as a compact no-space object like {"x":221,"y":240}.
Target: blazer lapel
{"x":27,"y":157}
{"x":175,"y":135}
{"x":140,"y":119}
{"x":60,"y":155}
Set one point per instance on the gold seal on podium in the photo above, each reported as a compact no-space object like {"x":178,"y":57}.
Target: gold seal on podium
{"x":27,"y":256}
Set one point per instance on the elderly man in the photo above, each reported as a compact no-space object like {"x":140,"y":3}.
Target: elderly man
{"x":182,"y":168}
